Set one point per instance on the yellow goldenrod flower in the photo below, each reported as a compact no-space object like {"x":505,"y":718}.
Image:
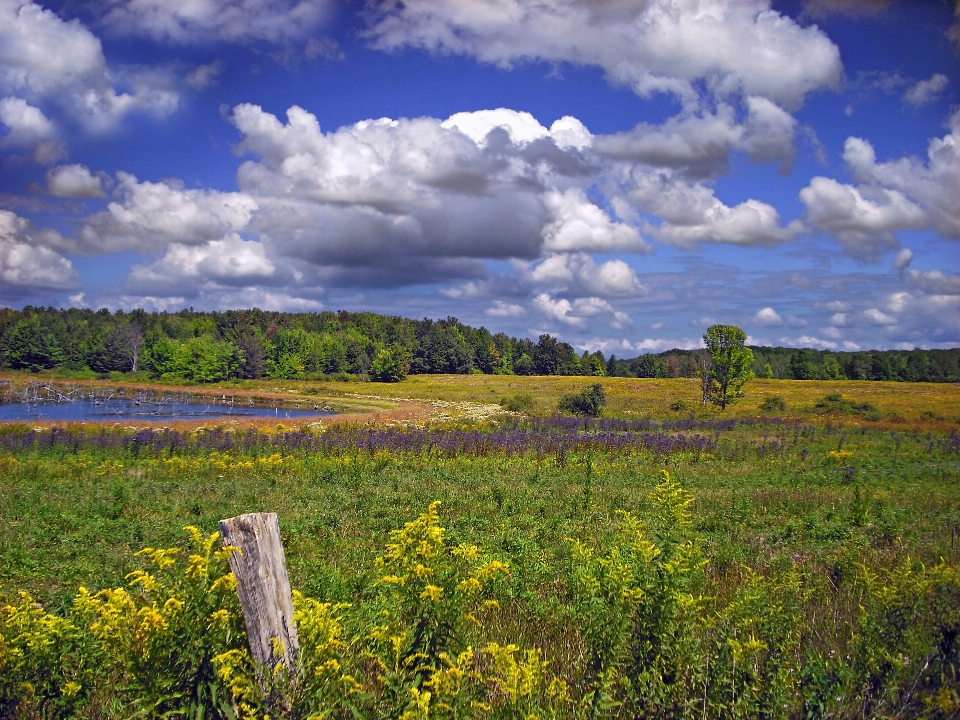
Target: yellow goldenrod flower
{"x":433,"y":592}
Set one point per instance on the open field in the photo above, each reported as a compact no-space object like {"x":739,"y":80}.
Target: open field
{"x":790,"y":564}
{"x":900,"y":405}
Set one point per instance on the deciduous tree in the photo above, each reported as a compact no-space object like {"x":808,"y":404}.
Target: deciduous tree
{"x":731,"y":361}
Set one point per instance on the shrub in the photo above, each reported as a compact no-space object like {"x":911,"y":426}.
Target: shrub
{"x":588,"y":402}
{"x":678,"y":406}
{"x":773,"y":403}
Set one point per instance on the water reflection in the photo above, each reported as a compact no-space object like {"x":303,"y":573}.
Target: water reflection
{"x":37,"y":401}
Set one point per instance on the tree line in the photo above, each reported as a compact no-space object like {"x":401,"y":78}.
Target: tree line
{"x":806,"y":364}
{"x":214,"y":346}
{"x":250,"y":344}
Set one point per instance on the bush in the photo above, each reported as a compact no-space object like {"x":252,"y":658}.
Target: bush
{"x":774,"y":403}
{"x":678,"y":406}
{"x":588,"y":402}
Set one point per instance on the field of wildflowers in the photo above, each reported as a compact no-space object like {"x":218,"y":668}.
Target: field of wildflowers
{"x":798,"y":565}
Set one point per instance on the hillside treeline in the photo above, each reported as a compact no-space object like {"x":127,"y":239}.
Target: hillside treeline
{"x":212,"y":346}
{"x":807,"y":364}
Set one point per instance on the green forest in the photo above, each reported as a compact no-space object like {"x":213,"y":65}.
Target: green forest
{"x":248,"y":344}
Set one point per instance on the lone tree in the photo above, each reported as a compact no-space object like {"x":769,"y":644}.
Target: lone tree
{"x":731,"y":362}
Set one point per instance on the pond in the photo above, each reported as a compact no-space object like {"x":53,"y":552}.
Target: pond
{"x":137,"y":409}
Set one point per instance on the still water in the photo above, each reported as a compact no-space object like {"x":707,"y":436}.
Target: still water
{"x":133,"y":409}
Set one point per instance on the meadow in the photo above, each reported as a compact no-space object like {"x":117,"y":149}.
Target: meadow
{"x":796,"y":556}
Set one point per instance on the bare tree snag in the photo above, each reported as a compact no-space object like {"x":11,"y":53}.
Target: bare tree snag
{"x":263,"y":586}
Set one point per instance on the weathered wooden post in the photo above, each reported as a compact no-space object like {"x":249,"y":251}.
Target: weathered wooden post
{"x":263,"y":586}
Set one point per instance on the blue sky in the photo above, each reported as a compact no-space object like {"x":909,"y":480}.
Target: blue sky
{"x":620,"y":173}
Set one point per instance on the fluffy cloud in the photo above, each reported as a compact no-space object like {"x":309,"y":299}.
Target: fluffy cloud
{"x":875,"y":316}
{"x":865,"y":226}
{"x":929,"y":316}
{"x":578,"y":224}
{"x":392,"y":202}
{"x":41,"y":53}
{"x":225,"y":262}
{"x":26,"y":125}
{"x":150,"y":213}
{"x":43,"y":56}
{"x":767,"y":317}
{"x":188,"y":21}
{"x":26,"y":262}
{"x":698,"y":145}
{"x":521,"y":127}
{"x":576,"y":314}
{"x":28,"y":128}
{"x":624,"y":347}
{"x":934,"y":185}
{"x":692,"y":214}
{"x":74,"y":181}
{"x":651,"y":45}
{"x":579,"y":273}
{"x":501,"y":309}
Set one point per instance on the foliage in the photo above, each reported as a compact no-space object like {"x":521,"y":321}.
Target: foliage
{"x":29,"y":345}
{"x":730,"y":363}
{"x":391,"y":364}
{"x":773,"y":403}
{"x":200,"y":359}
{"x":519,"y":403}
{"x":256,"y":344}
{"x":424,"y":637}
{"x":41,"y":663}
{"x":434,"y":595}
{"x":786,"y":363}
{"x":588,"y":402}
{"x":162,"y":634}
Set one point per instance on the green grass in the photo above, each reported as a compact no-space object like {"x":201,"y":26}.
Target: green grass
{"x":826,"y":500}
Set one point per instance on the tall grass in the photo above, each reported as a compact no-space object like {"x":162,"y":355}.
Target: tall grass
{"x":573,"y":568}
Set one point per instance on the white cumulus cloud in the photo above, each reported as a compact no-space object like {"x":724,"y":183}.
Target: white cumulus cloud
{"x":650,"y":45}
{"x":864,"y":225}
{"x":934,"y":185}
{"x":227,"y":261}
{"x":692,"y":214}
{"x":26,"y":261}
{"x":767,"y":317}
{"x":579,"y":273}
{"x":926,"y":91}
{"x":698,"y":145}
{"x":74,"y":181}
{"x":43,"y":56}
{"x":149,"y":213}
{"x":934,"y":282}
{"x":578,"y":224}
